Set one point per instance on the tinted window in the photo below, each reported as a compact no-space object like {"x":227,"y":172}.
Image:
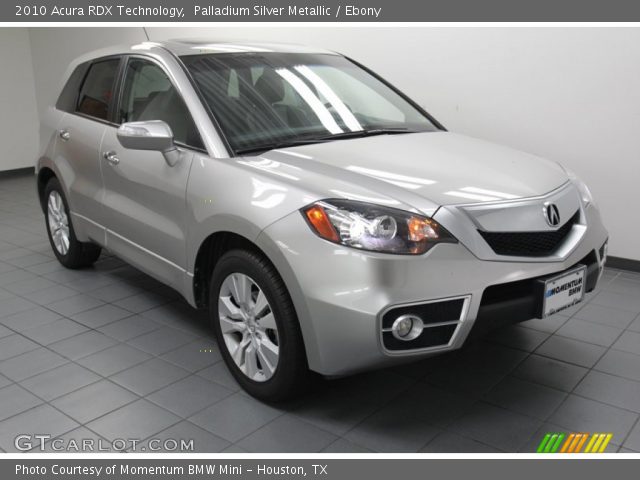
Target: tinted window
{"x":97,"y":89}
{"x":149,"y":95}
{"x":69,"y":94}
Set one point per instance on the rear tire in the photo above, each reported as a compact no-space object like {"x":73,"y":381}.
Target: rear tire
{"x":261,"y":318}
{"x":69,"y":251}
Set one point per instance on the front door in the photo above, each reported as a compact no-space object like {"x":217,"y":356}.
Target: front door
{"x":144,"y":197}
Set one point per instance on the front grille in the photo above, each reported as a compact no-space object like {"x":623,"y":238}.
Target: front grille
{"x":529,"y":244}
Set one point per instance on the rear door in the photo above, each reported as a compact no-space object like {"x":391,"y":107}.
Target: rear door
{"x":78,"y":146}
{"x":145,"y":198}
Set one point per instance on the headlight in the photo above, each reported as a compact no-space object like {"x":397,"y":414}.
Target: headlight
{"x":585,"y":193}
{"x":372,"y":227}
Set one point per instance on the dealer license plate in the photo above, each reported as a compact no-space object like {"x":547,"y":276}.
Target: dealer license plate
{"x":563,"y":291}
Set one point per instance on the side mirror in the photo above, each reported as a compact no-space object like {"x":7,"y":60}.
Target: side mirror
{"x":154,"y":135}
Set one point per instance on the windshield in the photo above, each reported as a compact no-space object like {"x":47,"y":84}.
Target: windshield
{"x":270,"y":100}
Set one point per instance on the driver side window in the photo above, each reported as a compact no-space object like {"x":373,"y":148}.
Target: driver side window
{"x":148,"y":94}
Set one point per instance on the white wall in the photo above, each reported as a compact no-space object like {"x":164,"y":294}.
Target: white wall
{"x":19,"y":120}
{"x":569,"y":94}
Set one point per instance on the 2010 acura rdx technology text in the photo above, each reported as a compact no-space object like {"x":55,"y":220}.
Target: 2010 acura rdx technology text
{"x":326,"y":221}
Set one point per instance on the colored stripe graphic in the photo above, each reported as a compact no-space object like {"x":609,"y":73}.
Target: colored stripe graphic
{"x":557,"y":442}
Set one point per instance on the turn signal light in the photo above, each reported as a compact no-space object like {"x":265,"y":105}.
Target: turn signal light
{"x":319,"y":219}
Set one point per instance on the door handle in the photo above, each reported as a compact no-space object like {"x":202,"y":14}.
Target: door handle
{"x":111,"y":157}
{"x":64,"y":135}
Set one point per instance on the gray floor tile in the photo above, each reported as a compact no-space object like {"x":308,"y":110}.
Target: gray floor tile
{"x":524,"y":397}
{"x":5,"y":332}
{"x":194,"y":356}
{"x":612,"y":390}
{"x":287,"y":434}
{"x":619,"y":363}
{"x":28,"y":286}
{"x":342,"y":445}
{"x":185,"y":437}
{"x":34,"y":317}
{"x":31,"y":363}
{"x":219,"y":373}
{"x":235,"y":417}
{"x":633,"y":440}
{"x":79,"y":440}
{"x":13,"y":345}
{"x":465,"y":380}
{"x":93,"y":401}
{"x":583,"y":415}
{"x":15,"y":400}
{"x":497,"y":427}
{"x":610,"y":316}
{"x":82,"y":345}
{"x":52,"y":294}
{"x":114,"y":359}
{"x":74,"y":305}
{"x":46,"y":267}
{"x":550,"y":372}
{"x":100,"y":316}
{"x":141,"y":302}
{"x":32,"y":422}
{"x":518,"y":337}
{"x":113,"y":292}
{"x":28,"y":260}
{"x":190,"y":395}
{"x":630,"y":303}
{"x":571,"y":351}
{"x":149,"y":376}
{"x":635,"y":325}
{"x":55,"y":331}
{"x":13,"y":305}
{"x":589,"y":332}
{"x":161,"y":341}
{"x":138,"y":420}
{"x":623,"y":285}
{"x":489,"y":357}
{"x":4,"y":381}
{"x":129,"y":327}
{"x":628,"y":342}
{"x":15,"y":276}
{"x":393,"y":429}
{"x":341,"y":405}
{"x":449,"y":442}
{"x":59,"y":381}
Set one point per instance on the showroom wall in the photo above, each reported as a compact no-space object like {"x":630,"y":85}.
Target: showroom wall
{"x":569,"y":94}
{"x":19,"y":119}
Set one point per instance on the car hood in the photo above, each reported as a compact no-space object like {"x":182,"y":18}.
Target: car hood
{"x":423,"y":170}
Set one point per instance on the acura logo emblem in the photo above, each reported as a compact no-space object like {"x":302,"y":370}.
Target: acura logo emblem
{"x":551,"y":214}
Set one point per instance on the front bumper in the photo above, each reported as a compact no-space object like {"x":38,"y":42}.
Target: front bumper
{"x":341,"y":294}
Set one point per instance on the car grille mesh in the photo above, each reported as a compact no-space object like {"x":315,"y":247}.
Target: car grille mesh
{"x":529,"y":244}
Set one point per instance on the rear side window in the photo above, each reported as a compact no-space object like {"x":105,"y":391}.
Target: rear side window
{"x":97,"y":89}
{"x":69,"y":95}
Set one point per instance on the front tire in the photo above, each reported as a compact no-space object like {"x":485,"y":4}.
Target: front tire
{"x":68,"y":250}
{"x":257,"y":328}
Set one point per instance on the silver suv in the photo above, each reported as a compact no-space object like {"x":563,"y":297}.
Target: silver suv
{"x":325,"y":220}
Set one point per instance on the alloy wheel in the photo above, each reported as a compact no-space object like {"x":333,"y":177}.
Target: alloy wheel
{"x":248,"y":327}
{"x":58,"y":222}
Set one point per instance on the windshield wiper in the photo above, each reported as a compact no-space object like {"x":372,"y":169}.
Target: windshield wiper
{"x":368,"y":133}
{"x":326,"y":138}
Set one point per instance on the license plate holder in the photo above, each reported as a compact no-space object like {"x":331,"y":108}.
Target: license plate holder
{"x":562,"y":291}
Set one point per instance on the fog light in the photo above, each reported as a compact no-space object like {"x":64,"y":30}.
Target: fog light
{"x":407,"y":327}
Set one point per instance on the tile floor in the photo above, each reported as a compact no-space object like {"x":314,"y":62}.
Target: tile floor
{"x":109,"y":353}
